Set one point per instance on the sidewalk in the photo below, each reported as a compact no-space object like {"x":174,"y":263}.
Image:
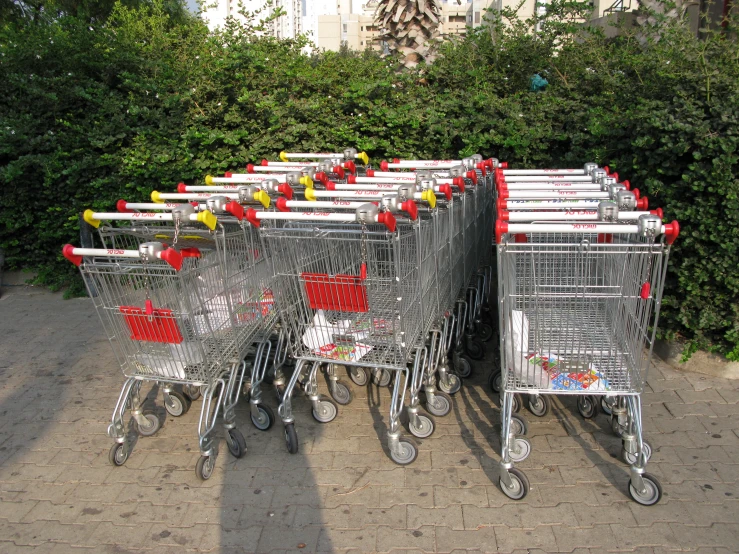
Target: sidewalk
{"x":340,"y":493}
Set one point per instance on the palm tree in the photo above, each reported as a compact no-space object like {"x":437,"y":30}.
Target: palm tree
{"x":408,"y":27}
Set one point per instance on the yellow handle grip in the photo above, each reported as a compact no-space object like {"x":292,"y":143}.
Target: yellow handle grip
{"x":306,"y":182}
{"x":430,"y":197}
{"x":155,"y":197}
{"x":364,"y":157}
{"x":283,"y":156}
{"x":207,"y":217}
{"x":87,"y":216}
{"x":263,"y":197}
{"x":309,"y":195}
{"x":209,"y":179}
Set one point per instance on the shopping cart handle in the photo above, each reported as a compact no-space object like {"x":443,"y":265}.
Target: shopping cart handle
{"x":672,"y":230}
{"x":459,"y":183}
{"x":281,"y":204}
{"x":68,"y":252}
{"x":627,"y":184}
{"x":446,"y":190}
{"x":658,"y":212}
{"x":369,"y":173}
{"x":614,"y":175}
{"x":384,"y":166}
{"x":607,"y":169}
{"x":250,"y":168}
{"x":265,"y":162}
{"x":190,"y":252}
{"x":636,"y":193}
{"x":472,"y":176}
{"x":410,"y":207}
{"x":351,"y":166}
{"x":286,"y":189}
{"x":339,"y":171}
{"x":330,"y":185}
{"x":122,"y":207}
{"x":481,"y":167}
{"x":235,"y":209}
{"x":504,"y":165}
{"x":75,"y":255}
{"x":351,"y":180}
{"x":503,"y":215}
{"x":320,"y":176}
{"x":387,"y":219}
{"x":642,"y":204}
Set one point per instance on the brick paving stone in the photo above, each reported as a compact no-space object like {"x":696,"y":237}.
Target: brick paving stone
{"x":423,"y":538}
{"x":481,"y":540}
{"x":509,"y":539}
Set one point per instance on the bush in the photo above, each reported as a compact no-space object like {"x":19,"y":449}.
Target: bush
{"x":94,"y":112}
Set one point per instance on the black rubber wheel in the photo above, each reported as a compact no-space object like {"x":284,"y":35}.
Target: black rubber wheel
{"x":587,"y":406}
{"x":153,"y":424}
{"x":538,"y":404}
{"x":519,"y":426}
{"x":358,"y":375}
{"x":519,"y":487}
{"x":606,"y":405}
{"x":177,"y":403}
{"x":236,"y":443}
{"x":495,"y":381}
{"x":653,"y":493}
{"x":118,"y":454}
{"x":517,"y":403}
{"x":192,"y":392}
{"x":291,"y":438}
{"x":205,"y":466}
{"x":475,"y":349}
{"x":341,"y":393}
{"x":463,"y":367}
{"x":265,"y":419}
{"x":485,"y":332}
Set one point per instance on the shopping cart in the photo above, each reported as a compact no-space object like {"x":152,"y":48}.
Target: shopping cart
{"x":579,"y":312}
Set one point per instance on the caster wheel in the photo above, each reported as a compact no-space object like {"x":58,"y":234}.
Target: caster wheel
{"x":517,"y":403}
{"x":485,"y":332}
{"x":519,"y":427}
{"x":325,"y":411}
{"x":152,"y":425}
{"x":441,"y":404}
{"x":264,"y":419}
{"x":486,"y":316}
{"x":631,"y":458}
{"x":381,"y":377}
{"x":495,"y":381}
{"x":538,"y":405}
{"x":519,"y":485}
{"x":652,"y":493}
{"x":176,"y":403}
{"x":519,"y":450}
{"x":587,"y":406}
{"x":280,"y":393}
{"x":606,"y":404}
{"x":475,"y":349}
{"x":423,"y":426}
{"x":118,"y":454}
{"x":463,"y":367}
{"x":291,"y":438}
{"x":341,"y":393}
{"x":407,"y":452}
{"x":452,"y":385}
{"x":236,"y":443}
{"x":205,"y":466}
{"x":192,"y":392}
{"x":358,"y":375}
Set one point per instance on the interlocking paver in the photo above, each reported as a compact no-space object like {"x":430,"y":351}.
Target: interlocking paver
{"x":341,"y":493}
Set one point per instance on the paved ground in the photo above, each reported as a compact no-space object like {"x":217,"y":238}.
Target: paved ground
{"x":58,"y":492}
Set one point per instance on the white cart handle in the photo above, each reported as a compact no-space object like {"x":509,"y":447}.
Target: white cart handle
{"x":547,"y":179}
{"x":282,"y":188}
{"x":471,"y":174}
{"x":285,"y":205}
{"x":427,"y":196}
{"x":367,"y":213}
{"x":146,"y":251}
{"x":254,"y":178}
{"x":642,"y":204}
{"x":576,"y":215}
{"x":205,"y":217}
{"x":349,"y":153}
{"x":644,"y":224}
{"x":444,"y":189}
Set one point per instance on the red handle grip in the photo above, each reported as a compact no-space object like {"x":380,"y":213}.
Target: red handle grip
{"x":281,"y":204}
{"x":410,"y":207}
{"x":121,"y":206}
{"x":286,"y":189}
{"x":446,"y":190}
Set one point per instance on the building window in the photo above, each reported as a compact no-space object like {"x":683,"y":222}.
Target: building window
{"x":477,"y":17}
{"x":371,"y":28}
{"x":457,"y":19}
{"x":362,"y":28}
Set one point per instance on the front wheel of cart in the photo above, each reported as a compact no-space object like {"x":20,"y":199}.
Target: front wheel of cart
{"x":441,"y":405}
{"x":358,"y":375}
{"x":176,"y":403}
{"x":423,"y":426}
{"x":341,"y":393}
{"x":519,"y":485}
{"x":495,"y":381}
{"x":264,"y":419}
{"x":519,"y":427}
{"x":475,"y":349}
{"x":325,"y":411}
{"x":452,"y":384}
{"x":539,"y":405}
{"x":463,"y":367}
{"x":606,"y":404}
{"x":520,"y":449}
{"x":151,"y":426}
{"x":485,"y":332}
{"x":407,"y":451}
{"x":291,"y":438}
{"x":118,"y":454}
{"x":236,"y":443}
{"x":587,"y":406}
{"x":517,"y":403}
{"x":382,"y":378}
{"x":192,"y":392}
{"x":651,"y":494}
{"x":205,"y":466}
{"x":631,"y":458}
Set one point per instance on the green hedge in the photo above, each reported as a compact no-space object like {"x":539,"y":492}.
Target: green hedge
{"x":93,"y":113}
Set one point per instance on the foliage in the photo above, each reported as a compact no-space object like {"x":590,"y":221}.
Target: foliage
{"x":93,"y":112}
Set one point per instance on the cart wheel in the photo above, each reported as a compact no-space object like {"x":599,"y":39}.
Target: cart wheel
{"x":495,"y":381}
{"x":539,"y":405}
{"x":630,"y":458}
{"x":520,"y":449}
{"x":358,"y":375}
{"x":205,"y":466}
{"x":118,"y":454}
{"x":519,"y":427}
{"x":475,"y":349}
{"x":452,"y":385}
{"x":264,"y":419}
{"x":485,"y":332}
{"x":326,"y":411}
{"x":519,"y":485}
{"x":152,"y":424}
{"x":176,"y":403}
{"x":280,"y":393}
{"x":384,"y":378}
{"x":291,"y":438}
{"x":517,"y":403}
{"x":423,"y":428}
{"x":408,"y":451}
{"x":441,"y":405}
{"x":587,"y":406}
{"x":486,"y":316}
{"x":605,"y":404}
{"x":652,"y":493}
{"x":236,"y":443}
{"x":192,"y":392}
{"x":463,"y":367}
{"x":341,"y":393}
